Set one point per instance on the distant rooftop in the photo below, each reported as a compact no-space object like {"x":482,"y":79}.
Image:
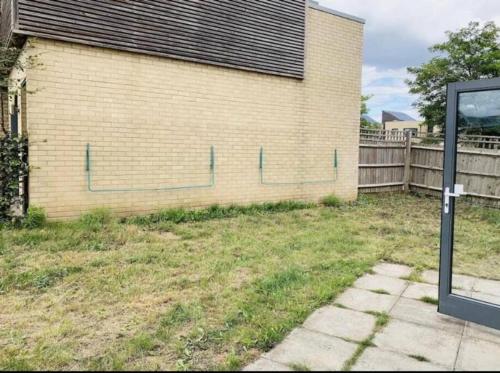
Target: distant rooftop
{"x":369,"y":119}
{"x":399,"y":115}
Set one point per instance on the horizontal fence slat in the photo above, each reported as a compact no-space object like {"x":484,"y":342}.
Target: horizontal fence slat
{"x":382,"y":165}
{"x":470,"y":194}
{"x":464,"y":172}
{"x":380,"y":185}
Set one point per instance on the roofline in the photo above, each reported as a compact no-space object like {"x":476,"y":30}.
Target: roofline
{"x":397,"y":113}
{"x":315,"y":5}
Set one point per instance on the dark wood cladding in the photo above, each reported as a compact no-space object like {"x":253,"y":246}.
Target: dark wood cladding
{"x":260,"y":35}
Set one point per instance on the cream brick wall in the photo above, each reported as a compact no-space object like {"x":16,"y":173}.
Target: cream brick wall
{"x":151,"y":122}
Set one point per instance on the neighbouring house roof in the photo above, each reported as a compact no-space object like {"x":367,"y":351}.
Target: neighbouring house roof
{"x":369,"y":119}
{"x":397,"y":116}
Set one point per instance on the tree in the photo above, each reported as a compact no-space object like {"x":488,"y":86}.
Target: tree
{"x":471,"y":53}
{"x":9,"y":58}
{"x":364,"y":111}
{"x":13,"y":149}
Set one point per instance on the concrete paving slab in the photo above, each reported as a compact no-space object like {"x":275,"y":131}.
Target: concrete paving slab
{"x":313,"y":350}
{"x":365,"y":300}
{"x":464,"y":293}
{"x":419,"y":291}
{"x":392,"y":270}
{"x":430,"y":276}
{"x":265,"y":365}
{"x":484,"y":297}
{"x":459,"y":281}
{"x":487,"y":286}
{"x":463,"y":282}
{"x":426,"y":314}
{"x":478,"y":355}
{"x":393,"y":286}
{"x":378,"y":360}
{"x":342,"y":323}
{"x":437,"y":346}
{"x":482,"y":332}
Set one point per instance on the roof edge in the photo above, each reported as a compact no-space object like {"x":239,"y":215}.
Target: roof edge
{"x":315,"y":5}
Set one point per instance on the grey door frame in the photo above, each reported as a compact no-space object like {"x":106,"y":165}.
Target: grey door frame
{"x":452,"y":304}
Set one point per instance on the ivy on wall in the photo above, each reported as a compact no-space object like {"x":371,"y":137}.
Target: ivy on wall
{"x":13,"y":168}
{"x":13,"y":149}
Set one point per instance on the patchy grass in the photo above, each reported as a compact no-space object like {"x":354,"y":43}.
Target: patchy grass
{"x":420,"y":358}
{"x":210,"y":289}
{"x":382,"y":320}
{"x":380,"y":291}
{"x":299,"y":368}
{"x":430,"y":300}
{"x":177,"y":216}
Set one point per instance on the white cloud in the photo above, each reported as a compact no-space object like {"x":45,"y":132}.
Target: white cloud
{"x":425,"y":20}
{"x":397,"y":35}
{"x":389,"y":91}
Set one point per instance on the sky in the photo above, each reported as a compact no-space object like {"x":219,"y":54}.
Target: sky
{"x":398,"y":34}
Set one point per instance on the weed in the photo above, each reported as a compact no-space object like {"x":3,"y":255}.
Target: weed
{"x":178,"y":216}
{"x":233,"y":362}
{"x":35,"y":218}
{"x":382,"y":319}
{"x":332,"y":201}
{"x":141,"y":345}
{"x":39,"y":280}
{"x":420,"y":358}
{"x":281,"y":281}
{"x":178,"y":315}
{"x":13,"y":363}
{"x":297,"y":367}
{"x":415,"y":276}
{"x":96,"y":219}
{"x":430,"y":300}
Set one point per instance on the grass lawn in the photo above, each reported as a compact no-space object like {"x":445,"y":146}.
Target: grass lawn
{"x":152,"y":294}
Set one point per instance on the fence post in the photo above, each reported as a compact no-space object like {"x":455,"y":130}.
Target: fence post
{"x":407,"y":173}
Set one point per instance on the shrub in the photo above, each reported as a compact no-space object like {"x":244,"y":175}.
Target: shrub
{"x":35,"y":218}
{"x":13,"y":167}
{"x":332,"y":201}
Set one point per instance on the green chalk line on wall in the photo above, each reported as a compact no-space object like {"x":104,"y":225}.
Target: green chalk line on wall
{"x":88,"y":169}
{"x":308,"y":182}
{"x":211,"y":184}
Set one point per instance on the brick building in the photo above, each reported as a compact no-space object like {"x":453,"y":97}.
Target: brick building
{"x":155,"y":104}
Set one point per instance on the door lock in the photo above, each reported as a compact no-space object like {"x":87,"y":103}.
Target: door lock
{"x":458,"y":192}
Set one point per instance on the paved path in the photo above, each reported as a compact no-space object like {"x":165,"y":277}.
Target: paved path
{"x":402,"y":332}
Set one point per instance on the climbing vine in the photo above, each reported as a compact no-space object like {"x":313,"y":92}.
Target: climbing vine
{"x":13,"y":149}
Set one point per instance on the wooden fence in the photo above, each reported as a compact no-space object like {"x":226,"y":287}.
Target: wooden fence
{"x":398,"y":162}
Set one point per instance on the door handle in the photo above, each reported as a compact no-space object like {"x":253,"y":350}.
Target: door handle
{"x":458,"y":192}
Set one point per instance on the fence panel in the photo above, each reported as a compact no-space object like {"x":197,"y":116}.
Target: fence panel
{"x":383,"y":157}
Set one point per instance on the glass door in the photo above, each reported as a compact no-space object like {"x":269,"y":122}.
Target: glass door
{"x":470,"y":234}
